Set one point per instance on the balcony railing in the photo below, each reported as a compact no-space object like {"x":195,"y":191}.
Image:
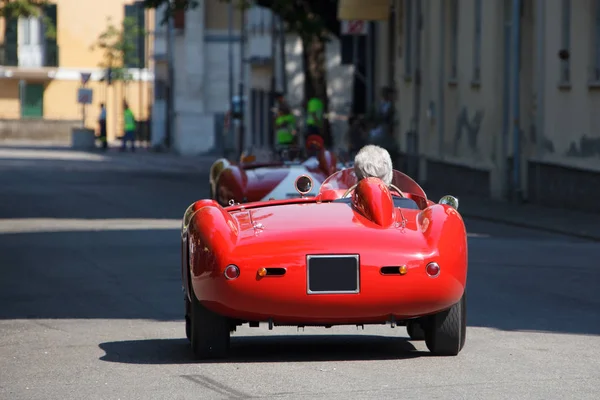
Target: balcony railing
{"x":40,"y":56}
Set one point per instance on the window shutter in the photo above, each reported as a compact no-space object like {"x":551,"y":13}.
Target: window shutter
{"x":51,"y":47}
{"x":11,"y":32}
{"x":130,"y":53}
{"x":141,"y":38}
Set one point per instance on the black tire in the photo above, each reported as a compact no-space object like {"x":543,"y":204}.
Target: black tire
{"x":210,"y":332}
{"x":188,"y":320}
{"x":415,"y":330}
{"x":446,"y":331}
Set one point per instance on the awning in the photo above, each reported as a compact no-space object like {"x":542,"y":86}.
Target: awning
{"x":371,"y":10}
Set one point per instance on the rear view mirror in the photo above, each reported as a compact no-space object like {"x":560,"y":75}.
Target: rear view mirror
{"x":450,"y":201}
{"x":303,"y":184}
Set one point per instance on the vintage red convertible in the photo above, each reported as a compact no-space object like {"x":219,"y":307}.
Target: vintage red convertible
{"x":263,"y":174}
{"x":356,"y":253}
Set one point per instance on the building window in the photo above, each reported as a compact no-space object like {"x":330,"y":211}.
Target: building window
{"x":31,"y":31}
{"x":477,"y":43}
{"x":408,"y":30}
{"x":596,"y":42}
{"x":565,"y":74}
{"x":453,"y":40}
{"x":135,"y":34}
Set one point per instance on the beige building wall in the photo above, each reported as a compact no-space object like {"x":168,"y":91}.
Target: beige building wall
{"x":79,"y":26}
{"x":462,"y":118}
{"x":571,"y":117}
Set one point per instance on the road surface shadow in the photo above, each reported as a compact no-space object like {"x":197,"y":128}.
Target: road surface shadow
{"x":265,"y":349}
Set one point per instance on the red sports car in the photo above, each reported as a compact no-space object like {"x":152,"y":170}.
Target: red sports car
{"x":357,"y":253}
{"x":264,"y":175}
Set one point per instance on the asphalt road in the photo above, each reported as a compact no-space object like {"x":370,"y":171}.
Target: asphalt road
{"x":91,"y":305}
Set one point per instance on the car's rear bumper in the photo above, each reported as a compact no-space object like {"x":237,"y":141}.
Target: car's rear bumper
{"x":284,"y":299}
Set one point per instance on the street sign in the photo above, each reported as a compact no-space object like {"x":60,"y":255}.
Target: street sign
{"x":85,"y":77}
{"x":354,"y":27}
{"x":84,"y":96}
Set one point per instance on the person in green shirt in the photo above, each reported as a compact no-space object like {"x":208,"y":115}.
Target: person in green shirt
{"x":314,"y":116}
{"x":129,"y":126}
{"x":285,"y":127}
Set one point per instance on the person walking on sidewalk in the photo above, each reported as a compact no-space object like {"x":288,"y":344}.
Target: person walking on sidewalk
{"x":102,"y":126}
{"x":129,"y":127}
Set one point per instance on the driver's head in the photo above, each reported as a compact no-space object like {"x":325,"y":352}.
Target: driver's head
{"x":373,"y":161}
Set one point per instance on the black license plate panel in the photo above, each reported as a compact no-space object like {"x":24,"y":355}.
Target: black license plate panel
{"x":332,"y":274}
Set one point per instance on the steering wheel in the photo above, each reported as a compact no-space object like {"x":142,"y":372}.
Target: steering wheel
{"x":391,"y":186}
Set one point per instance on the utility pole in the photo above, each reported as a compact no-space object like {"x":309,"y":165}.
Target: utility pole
{"x":271,"y":135}
{"x":417,"y":92}
{"x":441,"y":85}
{"x":516,"y":85}
{"x":230,"y":129}
{"x":242,"y":78}
{"x":171,"y":86}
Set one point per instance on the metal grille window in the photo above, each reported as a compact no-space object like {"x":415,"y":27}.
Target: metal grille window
{"x":477,"y":42}
{"x":565,"y":73}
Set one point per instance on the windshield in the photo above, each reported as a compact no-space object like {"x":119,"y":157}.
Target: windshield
{"x":346,"y":178}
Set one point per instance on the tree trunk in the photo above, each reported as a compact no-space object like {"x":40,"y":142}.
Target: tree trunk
{"x":315,"y":69}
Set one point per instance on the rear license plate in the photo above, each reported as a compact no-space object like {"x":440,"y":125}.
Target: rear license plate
{"x":332,"y":274}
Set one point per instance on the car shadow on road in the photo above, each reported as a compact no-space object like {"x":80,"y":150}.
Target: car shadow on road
{"x":265,"y":349}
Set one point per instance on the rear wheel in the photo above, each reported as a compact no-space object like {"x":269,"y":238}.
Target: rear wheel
{"x":210,"y":332}
{"x":446,"y":332}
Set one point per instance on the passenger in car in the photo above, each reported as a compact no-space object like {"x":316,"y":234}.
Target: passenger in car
{"x":373,"y":161}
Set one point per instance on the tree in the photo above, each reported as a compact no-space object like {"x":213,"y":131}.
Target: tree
{"x":312,"y":20}
{"x":21,"y":8}
{"x":27,"y":8}
{"x":118,"y":46}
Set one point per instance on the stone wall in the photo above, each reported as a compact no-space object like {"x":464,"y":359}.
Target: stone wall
{"x":38,"y":129}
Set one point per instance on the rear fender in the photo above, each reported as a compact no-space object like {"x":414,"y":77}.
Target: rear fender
{"x":444,"y":231}
{"x":193,"y":230}
{"x":212,"y":236}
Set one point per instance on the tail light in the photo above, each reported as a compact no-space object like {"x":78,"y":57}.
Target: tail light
{"x":231,"y":272}
{"x":433,"y":269}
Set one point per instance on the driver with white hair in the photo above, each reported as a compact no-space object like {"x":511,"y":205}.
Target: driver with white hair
{"x":373,"y":161}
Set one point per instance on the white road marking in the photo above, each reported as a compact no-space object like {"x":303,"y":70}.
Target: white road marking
{"x":31,"y":225}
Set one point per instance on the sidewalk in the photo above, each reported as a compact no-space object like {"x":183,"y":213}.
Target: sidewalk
{"x":143,"y":158}
{"x":554,"y":220}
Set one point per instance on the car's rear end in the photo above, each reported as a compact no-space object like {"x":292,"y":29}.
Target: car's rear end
{"x":289,"y":267}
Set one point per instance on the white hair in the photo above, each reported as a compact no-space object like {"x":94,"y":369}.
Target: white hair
{"x":374,"y":161}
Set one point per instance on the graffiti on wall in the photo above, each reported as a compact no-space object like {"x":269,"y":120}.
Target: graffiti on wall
{"x":470,"y":129}
{"x":587,"y":147}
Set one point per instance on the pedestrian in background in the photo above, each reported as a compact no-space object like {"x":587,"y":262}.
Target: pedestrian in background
{"x":314,"y":116}
{"x":129,"y":126}
{"x":285,"y":126}
{"x":102,"y":127}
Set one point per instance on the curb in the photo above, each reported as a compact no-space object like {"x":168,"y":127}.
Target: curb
{"x":580,"y":235}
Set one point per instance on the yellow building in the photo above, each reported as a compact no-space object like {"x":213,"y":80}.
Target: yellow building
{"x":40,"y":73}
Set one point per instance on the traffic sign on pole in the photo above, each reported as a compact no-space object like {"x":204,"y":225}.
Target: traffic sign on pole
{"x":354,"y":27}
{"x":85,"y":77}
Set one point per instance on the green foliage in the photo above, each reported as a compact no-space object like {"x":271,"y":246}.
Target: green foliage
{"x":28,"y":8}
{"x":21,"y":8}
{"x":118,"y":46}
{"x":307,"y":18}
